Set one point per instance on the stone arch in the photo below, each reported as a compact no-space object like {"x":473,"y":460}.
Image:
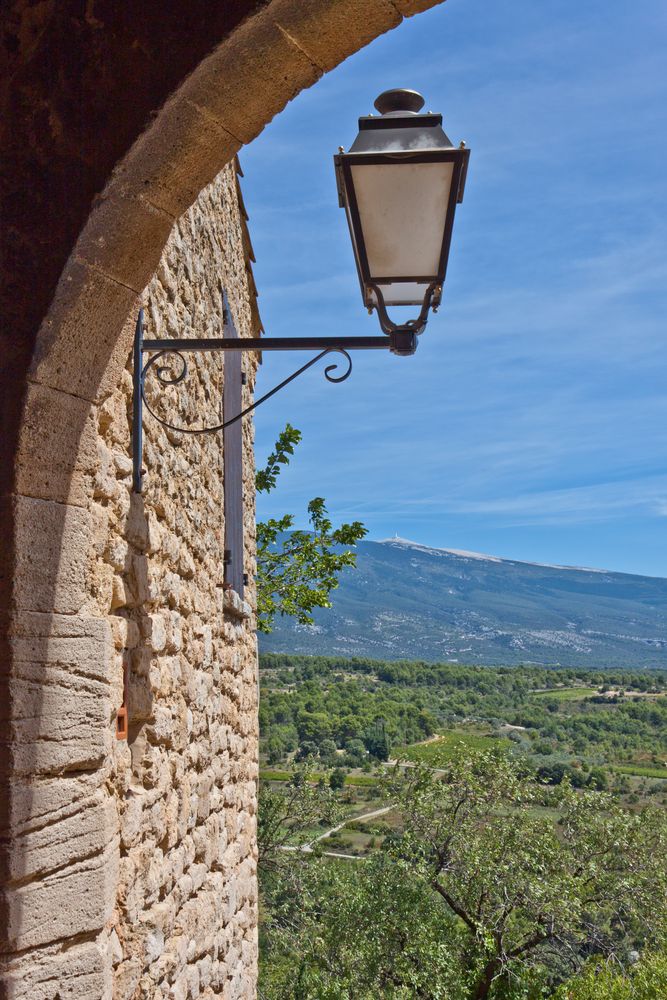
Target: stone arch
{"x":64,"y":363}
{"x":61,"y":363}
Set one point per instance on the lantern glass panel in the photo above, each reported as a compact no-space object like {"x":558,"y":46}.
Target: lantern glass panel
{"x":402,"y":212}
{"x":401,"y":293}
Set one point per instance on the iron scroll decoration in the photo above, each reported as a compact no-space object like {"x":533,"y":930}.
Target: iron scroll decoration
{"x":401,"y":340}
{"x":166,"y":375}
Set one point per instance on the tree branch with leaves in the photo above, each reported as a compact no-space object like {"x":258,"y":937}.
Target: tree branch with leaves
{"x":298,"y":569}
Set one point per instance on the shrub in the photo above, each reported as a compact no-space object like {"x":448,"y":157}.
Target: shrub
{"x":646,"y":980}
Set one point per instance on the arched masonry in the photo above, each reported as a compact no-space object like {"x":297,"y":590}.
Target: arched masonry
{"x":128,"y":868}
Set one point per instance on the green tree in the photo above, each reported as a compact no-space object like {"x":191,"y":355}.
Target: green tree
{"x":377,"y":744}
{"x":599,"y":779}
{"x":313,"y":726}
{"x":306,"y":750}
{"x":275,"y":749}
{"x":328,"y":751}
{"x":351,"y":728}
{"x":355,"y":753}
{"x":297,"y":570}
{"x":337,"y":779}
{"x":521,"y":885}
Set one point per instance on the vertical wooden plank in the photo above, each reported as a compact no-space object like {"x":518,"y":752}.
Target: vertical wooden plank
{"x":233,"y":459}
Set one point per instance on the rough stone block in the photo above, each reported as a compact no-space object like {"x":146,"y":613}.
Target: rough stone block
{"x":330,"y":30}
{"x":28,"y":803}
{"x":100,"y":339}
{"x":136,"y":528}
{"x":57,"y":715}
{"x":140,"y":698}
{"x":74,"y":900}
{"x":171,"y":164}
{"x":126,"y":979}
{"x":258,"y":62}
{"x":124,"y":238}
{"x":77,"y":972}
{"x":57,"y":446}
{"x":52,"y":543}
{"x":60,"y":723}
{"x":66,"y":824}
{"x":235,"y":606}
{"x":155,"y":631}
{"x":82,"y":643}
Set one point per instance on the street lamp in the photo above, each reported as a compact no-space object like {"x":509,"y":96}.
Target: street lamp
{"x":399,"y":184}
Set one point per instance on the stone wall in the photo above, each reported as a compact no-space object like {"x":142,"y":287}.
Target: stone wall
{"x":137,"y":871}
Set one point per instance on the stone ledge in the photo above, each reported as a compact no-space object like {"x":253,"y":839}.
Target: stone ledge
{"x":235,"y":607}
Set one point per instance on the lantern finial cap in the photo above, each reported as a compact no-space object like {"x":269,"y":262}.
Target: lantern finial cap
{"x":399,"y":102}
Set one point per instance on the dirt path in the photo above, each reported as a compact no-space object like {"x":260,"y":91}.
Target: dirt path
{"x":308,"y":848}
{"x":422,"y":743}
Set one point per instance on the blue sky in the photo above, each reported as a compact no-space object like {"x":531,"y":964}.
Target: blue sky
{"x":532,"y":421}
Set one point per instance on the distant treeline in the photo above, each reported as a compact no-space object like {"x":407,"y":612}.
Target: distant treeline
{"x":320,"y":704}
{"x":422,"y":672}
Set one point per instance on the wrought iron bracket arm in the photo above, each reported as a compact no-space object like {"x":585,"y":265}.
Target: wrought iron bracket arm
{"x":401,"y":340}
{"x":396,"y":344}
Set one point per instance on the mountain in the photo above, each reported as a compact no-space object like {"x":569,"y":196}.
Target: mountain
{"x":406,"y":600}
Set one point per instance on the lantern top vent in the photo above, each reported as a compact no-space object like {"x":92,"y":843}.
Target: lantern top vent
{"x":399,"y":102}
{"x":401,"y":127}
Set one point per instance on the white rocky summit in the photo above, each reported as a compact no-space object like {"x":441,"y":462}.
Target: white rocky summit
{"x":397,"y":540}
